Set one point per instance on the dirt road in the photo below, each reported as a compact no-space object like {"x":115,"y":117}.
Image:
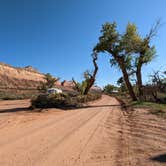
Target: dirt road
{"x":99,"y":135}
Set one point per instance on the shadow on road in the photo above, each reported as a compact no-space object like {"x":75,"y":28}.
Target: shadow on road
{"x":98,"y":106}
{"x":39,"y":110}
{"x":160,"y":158}
{"x":14,"y":110}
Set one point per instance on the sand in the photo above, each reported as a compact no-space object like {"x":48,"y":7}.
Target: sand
{"x":99,"y":135}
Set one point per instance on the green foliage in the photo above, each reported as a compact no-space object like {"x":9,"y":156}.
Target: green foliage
{"x":81,"y":87}
{"x":119,"y":47}
{"x":131,"y":40}
{"x":120,"y":81}
{"x":122,"y":85}
{"x":64,"y":101}
{"x":52,"y":101}
{"x":49,"y":82}
{"x":109,"y":89}
{"x":146,"y":57}
{"x":138,"y":48}
{"x":150,"y":54}
{"x":154,"y":108}
{"x":119,"y":44}
{"x":109,"y":38}
{"x":89,"y":78}
{"x":127,"y":45}
{"x":129,"y":52}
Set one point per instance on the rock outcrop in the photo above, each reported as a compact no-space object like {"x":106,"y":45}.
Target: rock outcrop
{"x":23,"y":78}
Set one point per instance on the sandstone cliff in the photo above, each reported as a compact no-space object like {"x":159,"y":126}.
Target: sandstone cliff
{"x":21,"y":78}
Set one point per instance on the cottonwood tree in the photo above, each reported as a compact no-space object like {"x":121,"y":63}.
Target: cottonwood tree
{"x":89,"y":78}
{"x":144,"y":54}
{"x":117,"y":46}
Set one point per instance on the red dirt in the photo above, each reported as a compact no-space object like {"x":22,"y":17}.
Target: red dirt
{"x":101,"y":135}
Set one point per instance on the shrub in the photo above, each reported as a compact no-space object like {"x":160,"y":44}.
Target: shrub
{"x":62,"y":100}
{"x":109,"y":89}
{"x":53,"y":101}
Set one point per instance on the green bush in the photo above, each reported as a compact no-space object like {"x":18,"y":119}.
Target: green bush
{"x":109,"y":89}
{"x":62,"y":100}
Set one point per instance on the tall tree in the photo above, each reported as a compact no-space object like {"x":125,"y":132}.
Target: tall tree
{"x":116,"y":45}
{"x":144,"y":54}
{"x":144,"y":57}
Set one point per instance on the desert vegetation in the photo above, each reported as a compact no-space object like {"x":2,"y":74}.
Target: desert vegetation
{"x":130,"y":52}
{"x":95,"y":94}
{"x":84,"y":87}
{"x":63,"y":100}
{"x":49,"y":82}
{"x":81,"y":95}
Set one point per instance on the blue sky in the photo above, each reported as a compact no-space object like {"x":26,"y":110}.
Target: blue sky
{"x":57,"y":36}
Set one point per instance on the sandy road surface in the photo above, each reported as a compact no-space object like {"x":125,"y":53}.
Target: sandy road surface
{"x":100,"y":135}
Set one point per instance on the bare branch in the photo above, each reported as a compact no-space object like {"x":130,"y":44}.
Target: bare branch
{"x":76,"y":85}
{"x":154,"y":29}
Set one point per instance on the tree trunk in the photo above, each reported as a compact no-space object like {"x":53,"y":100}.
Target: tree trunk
{"x":139,"y":75}
{"x":127,"y":81}
{"x":139,"y":81}
{"x":91,"y":81}
{"x":121,"y":62}
{"x":90,"y":84}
